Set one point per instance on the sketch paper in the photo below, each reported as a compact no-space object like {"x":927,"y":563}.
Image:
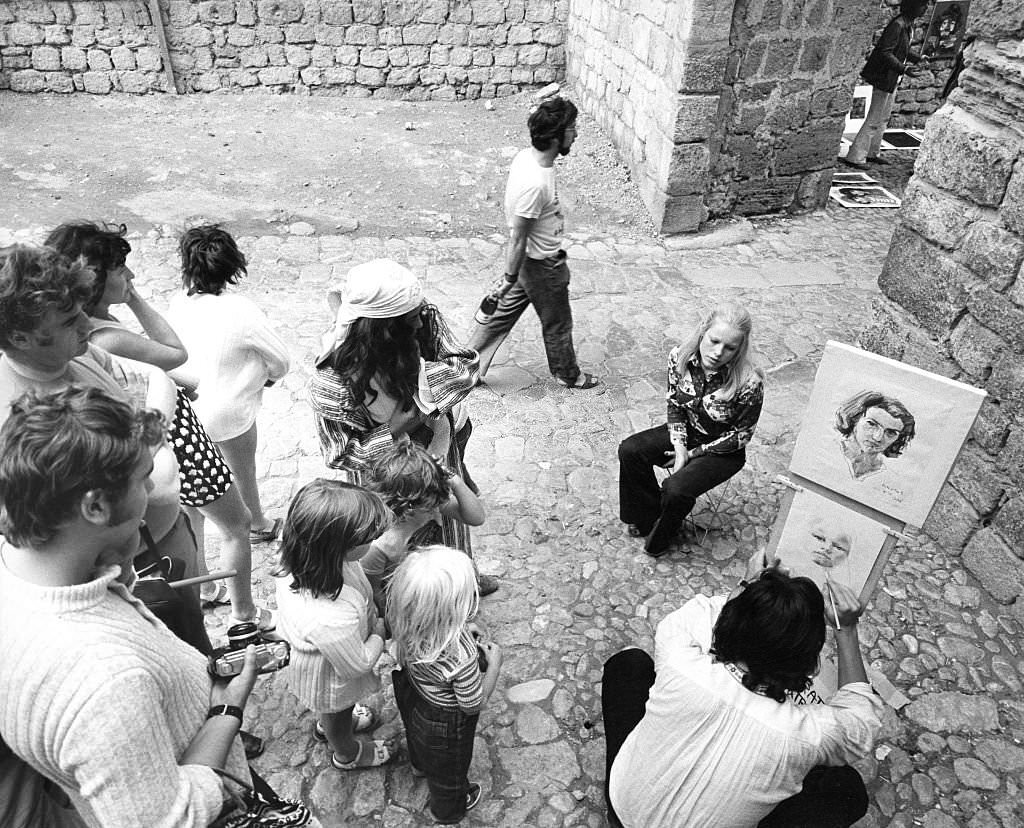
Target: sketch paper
{"x":825,"y":541}
{"x":851,"y":178}
{"x":858,"y":109}
{"x":881,"y":432}
{"x":863,"y":195}
{"x":900,"y":139}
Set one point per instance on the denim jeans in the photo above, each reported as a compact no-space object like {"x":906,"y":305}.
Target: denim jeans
{"x":831,"y":797}
{"x":869,"y":138}
{"x":440,"y":741}
{"x":661,"y":511}
{"x":545,"y":284}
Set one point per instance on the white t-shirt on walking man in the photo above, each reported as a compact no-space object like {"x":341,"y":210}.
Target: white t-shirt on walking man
{"x":531,"y":193}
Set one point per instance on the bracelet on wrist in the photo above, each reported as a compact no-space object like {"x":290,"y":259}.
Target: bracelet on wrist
{"x":225,"y":710}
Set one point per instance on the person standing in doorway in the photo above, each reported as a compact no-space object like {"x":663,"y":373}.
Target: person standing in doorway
{"x":886,"y":63}
{"x":535,"y":263}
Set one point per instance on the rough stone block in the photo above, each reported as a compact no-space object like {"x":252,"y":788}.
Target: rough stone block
{"x":993,"y":253}
{"x":764,"y":15}
{"x":433,"y":11}
{"x":269,"y":34}
{"x":321,"y":56}
{"x":217,"y":12}
{"x":28,"y":80}
{"x":533,"y":55}
{"x":73,"y":57}
{"x":148,"y":58}
{"x":453,"y":34}
{"x":255,"y":57}
{"x":815,"y":53}
{"x":1012,"y":210}
{"x":373,"y":57}
{"x":123,"y":58}
{"x":45,"y":58}
{"x":688,"y":169}
{"x":952,"y":520}
{"x":814,"y":189}
{"x":346,"y":56}
{"x":241,"y":37}
{"x":1011,"y":458}
{"x":432,"y":76}
{"x":937,"y":215}
{"x":976,"y":478}
{"x":339,"y":76}
{"x":924,"y":280}
{"x":297,"y":56}
{"x":975,"y":348}
{"x":703,"y":70}
{"x":54,"y":35}
{"x":59,"y":82}
{"x":403,"y":76}
{"x":99,"y":60}
{"x":805,"y":150}
{"x":488,"y":12}
{"x":683,"y":214}
{"x":758,"y":196}
{"x":279,"y":12}
{"x":997,"y":312}
{"x":752,"y":58}
{"x":278,"y":75}
{"x":331,"y":35}
{"x":993,"y":563}
{"x":958,"y":156}
{"x":369,"y":76}
{"x":420,"y":33}
{"x":368,"y":11}
{"x":206,"y":82}
{"x":750,"y":156}
{"x":245,"y":15}
{"x":24,"y":34}
{"x":300,"y":33}
{"x":134,"y":82}
{"x":97,"y":83}
{"x":695,"y":117}
{"x":276,"y":55}
{"x":780,"y":58}
{"x":360,"y":34}
{"x":418,"y":55}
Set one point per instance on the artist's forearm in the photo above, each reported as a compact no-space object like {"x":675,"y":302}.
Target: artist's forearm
{"x":851,"y":664}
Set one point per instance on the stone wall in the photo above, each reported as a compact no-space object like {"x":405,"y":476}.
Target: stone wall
{"x":955,"y":293}
{"x":651,"y":72}
{"x":793,"y":66}
{"x":414,"y":49}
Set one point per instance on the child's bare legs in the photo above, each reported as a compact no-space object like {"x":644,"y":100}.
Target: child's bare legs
{"x":240,"y":454}
{"x":338,"y":729}
{"x":231,"y":517}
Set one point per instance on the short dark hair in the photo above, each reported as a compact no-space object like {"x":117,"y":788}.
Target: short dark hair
{"x":776,"y":627}
{"x":913,"y":8}
{"x":33,"y":280}
{"x":549,"y":121}
{"x":55,"y":447}
{"x":210,"y":259}
{"x":102,"y":247}
{"x":849,"y":413}
{"x":408,"y":478}
{"x":326,"y":520}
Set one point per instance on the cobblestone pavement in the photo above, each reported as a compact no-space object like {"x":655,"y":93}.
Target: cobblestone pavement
{"x":575,"y":587}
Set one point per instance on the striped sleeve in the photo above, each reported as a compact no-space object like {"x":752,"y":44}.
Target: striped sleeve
{"x":451,"y":377}
{"x":348,"y":440}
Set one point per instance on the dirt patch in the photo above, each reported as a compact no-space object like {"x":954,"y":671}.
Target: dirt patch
{"x":260,"y":163}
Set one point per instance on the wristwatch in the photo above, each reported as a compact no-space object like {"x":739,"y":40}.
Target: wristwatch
{"x":225,"y":710}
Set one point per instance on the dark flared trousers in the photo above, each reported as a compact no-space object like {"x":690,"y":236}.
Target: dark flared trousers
{"x":660,"y":511}
{"x":831,"y":797}
{"x":440,"y":741}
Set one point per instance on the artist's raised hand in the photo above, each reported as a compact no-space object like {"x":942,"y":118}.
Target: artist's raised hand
{"x":848,"y":606}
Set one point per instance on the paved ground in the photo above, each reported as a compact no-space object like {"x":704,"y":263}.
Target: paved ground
{"x":575,"y":587}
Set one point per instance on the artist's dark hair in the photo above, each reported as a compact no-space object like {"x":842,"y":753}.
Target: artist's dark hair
{"x":33,"y":280}
{"x":912,"y":8}
{"x":210,"y":259}
{"x":850,"y":412}
{"x":390,"y":350}
{"x":549,"y":121}
{"x":408,"y":478}
{"x":326,"y":520}
{"x":102,"y":246}
{"x":56,"y":447}
{"x":776,"y":628}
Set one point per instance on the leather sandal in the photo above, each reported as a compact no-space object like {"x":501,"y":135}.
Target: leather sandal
{"x":381,"y":756}
{"x":266,"y":535}
{"x":263,"y":619}
{"x":363,"y":719}
{"x":583,"y":382}
{"x":217,"y":598}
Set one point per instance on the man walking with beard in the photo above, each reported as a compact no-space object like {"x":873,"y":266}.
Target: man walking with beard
{"x":535,"y":263}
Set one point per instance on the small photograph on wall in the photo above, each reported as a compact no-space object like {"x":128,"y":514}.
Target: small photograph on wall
{"x":946,"y":29}
{"x":863,"y":195}
{"x":858,"y":110}
{"x":829,"y":543}
{"x":881,"y":432}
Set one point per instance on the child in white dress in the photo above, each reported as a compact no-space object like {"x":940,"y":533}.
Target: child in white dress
{"x":326,"y":610}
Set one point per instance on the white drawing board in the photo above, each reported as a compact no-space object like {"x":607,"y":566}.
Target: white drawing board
{"x":881,"y":432}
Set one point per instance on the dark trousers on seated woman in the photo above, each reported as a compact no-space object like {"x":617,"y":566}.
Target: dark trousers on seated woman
{"x":658,"y":512}
{"x":831,"y":797}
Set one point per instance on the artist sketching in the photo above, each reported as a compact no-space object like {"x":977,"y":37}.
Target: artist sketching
{"x":873,"y":426}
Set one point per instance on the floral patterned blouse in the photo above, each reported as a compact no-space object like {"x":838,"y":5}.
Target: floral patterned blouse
{"x":697,"y":415}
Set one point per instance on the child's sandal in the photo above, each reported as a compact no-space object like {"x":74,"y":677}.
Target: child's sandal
{"x":381,"y":756}
{"x":363,"y":718}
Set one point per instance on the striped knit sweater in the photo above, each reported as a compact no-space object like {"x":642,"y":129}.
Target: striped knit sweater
{"x":97,"y":695}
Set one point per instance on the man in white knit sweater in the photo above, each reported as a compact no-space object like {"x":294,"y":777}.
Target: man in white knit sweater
{"x":96,"y":694}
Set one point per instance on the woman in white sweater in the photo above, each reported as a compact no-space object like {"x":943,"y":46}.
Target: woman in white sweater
{"x":233,"y":354}
{"x":95,"y":693}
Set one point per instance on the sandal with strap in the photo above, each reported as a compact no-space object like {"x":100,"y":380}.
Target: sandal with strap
{"x":583,"y":382}
{"x":217,"y":598}
{"x":381,"y":756}
{"x":266,"y":535}
{"x":363,"y":718}
{"x":263,"y":619}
